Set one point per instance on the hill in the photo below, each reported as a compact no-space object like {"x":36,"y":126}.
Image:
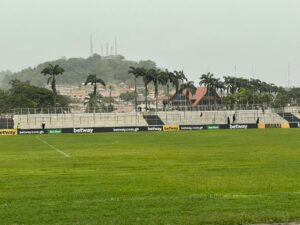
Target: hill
{"x":111,"y":69}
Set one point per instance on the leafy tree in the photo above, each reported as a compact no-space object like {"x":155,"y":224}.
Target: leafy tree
{"x":243,"y":96}
{"x":128,"y":96}
{"x":53,"y":71}
{"x":281,"y":99}
{"x":24,"y":95}
{"x":294,"y":94}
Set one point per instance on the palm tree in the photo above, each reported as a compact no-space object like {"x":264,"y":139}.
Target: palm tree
{"x":220,"y":86}
{"x":189,"y":87}
{"x":93,"y":80}
{"x":110,"y":89}
{"x":159,"y":78}
{"x":178,"y":78}
{"x":53,"y":71}
{"x":208,"y":81}
{"x":147,"y":76}
{"x":136,"y":73}
{"x":169,"y":79}
{"x":93,"y":101}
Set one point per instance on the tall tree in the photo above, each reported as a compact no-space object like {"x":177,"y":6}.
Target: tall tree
{"x":159,"y":78}
{"x":178,"y":78}
{"x":136,"y":72}
{"x":221,"y":87}
{"x":93,"y":80}
{"x":53,"y":71}
{"x":147,"y":76}
{"x":208,"y":81}
{"x":110,"y":99}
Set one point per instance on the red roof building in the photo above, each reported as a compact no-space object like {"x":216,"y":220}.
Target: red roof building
{"x":201,"y":97}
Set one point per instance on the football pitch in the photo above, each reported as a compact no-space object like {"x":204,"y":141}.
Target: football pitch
{"x":196,"y":177}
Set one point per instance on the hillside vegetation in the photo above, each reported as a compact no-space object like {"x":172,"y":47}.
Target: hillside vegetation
{"x":111,"y":69}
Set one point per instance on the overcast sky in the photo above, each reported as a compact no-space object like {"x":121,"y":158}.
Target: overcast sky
{"x":260,"y":37}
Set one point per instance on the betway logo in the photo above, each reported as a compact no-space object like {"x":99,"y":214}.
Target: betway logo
{"x":238,"y":126}
{"x":83,"y":130}
{"x":154,"y":129}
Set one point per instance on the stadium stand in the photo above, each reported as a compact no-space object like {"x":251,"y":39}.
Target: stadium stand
{"x":35,"y":121}
{"x":70,"y":120}
{"x":6,"y":123}
{"x":290,"y":117}
{"x":153,"y":120}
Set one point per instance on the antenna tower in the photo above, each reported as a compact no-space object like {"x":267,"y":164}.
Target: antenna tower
{"x":116,"y":47}
{"x":91,"y":45}
{"x":289,"y":76}
{"x":106,"y":49}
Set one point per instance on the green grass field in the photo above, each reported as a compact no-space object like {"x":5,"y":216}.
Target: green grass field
{"x":197,"y":177}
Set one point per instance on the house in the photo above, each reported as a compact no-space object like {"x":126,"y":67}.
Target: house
{"x":201,"y":97}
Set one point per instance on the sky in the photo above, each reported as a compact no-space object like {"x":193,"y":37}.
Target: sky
{"x":246,"y":38}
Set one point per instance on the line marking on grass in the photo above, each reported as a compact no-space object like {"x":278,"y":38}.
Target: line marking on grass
{"x":53,"y":147}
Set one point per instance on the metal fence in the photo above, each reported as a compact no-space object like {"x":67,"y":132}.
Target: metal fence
{"x":110,"y":109}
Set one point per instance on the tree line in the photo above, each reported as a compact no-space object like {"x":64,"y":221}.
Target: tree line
{"x":229,"y":90}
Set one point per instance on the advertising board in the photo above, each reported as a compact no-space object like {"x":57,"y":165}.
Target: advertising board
{"x":5,"y":132}
{"x":171,"y":128}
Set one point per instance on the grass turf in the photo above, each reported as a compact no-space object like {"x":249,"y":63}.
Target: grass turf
{"x":197,"y":177}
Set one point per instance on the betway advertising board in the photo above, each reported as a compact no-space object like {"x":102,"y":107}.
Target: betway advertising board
{"x":91,"y":130}
{"x":217,"y":127}
{"x":8,"y":132}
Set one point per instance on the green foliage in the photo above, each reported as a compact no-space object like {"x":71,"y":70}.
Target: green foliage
{"x":4,"y":74}
{"x":25,"y":95}
{"x":112,"y":70}
{"x":128,"y":96}
{"x":294,"y":94}
{"x":281,"y":99}
{"x":94,"y":101}
{"x":250,"y":91}
{"x":93,"y":80}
